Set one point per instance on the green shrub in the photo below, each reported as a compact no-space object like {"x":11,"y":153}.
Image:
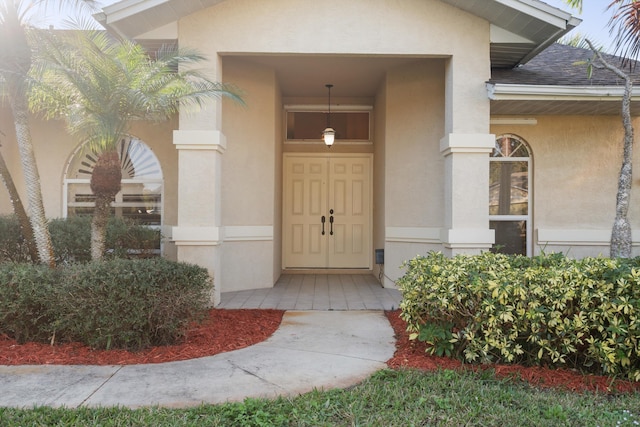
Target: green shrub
{"x":127,"y":239}
{"x":13,"y":247}
{"x":27,"y":301}
{"x":546,"y":310}
{"x":71,"y":239}
{"x":119,"y":303}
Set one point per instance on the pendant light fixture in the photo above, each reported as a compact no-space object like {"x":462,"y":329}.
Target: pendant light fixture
{"x":329,"y":135}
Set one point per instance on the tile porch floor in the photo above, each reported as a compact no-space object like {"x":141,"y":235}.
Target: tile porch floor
{"x":317,"y":292}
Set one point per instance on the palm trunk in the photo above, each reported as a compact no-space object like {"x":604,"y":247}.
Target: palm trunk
{"x":17,"y":61}
{"x":18,"y":104}
{"x":105,"y":184}
{"x":101,"y":215}
{"x":621,"y":232}
{"x":18,"y":209}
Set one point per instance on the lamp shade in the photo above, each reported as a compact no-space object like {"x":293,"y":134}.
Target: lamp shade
{"x":329,"y":135}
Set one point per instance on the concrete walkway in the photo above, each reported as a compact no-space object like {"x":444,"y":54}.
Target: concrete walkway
{"x":310,"y":350}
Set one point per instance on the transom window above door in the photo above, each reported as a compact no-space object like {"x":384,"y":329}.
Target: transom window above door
{"x":307,"y":126}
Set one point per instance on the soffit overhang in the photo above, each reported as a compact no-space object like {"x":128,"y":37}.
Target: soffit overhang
{"x":513,"y":99}
{"x":536,"y":24}
{"x":132,"y":18}
{"x":520,"y":29}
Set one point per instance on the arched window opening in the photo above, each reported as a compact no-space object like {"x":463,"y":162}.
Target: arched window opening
{"x":140,"y":197}
{"x":509,"y":195}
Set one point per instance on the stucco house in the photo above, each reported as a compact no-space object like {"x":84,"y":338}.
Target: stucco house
{"x":459,"y":126}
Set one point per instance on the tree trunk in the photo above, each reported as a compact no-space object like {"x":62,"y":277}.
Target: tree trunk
{"x":18,"y":209}
{"x":41,"y":234}
{"x":16,"y":57}
{"x":621,"y":232}
{"x":105,"y":184}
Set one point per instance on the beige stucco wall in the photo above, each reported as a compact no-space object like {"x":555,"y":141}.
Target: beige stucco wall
{"x":576,"y":161}
{"x":335,"y":26}
{"x":54,"y":147}
{"x":250,"y":192}
{"x":380,"y":145}
{"x":414,"y":172}
{"x":410,"y":119}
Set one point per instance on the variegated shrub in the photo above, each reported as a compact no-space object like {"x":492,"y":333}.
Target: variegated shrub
{"x":546,"y":310}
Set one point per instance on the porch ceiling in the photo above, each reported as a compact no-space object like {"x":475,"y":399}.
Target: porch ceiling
{"x":351,"y":76}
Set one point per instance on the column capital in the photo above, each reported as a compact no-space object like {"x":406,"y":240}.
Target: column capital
{"x":212,"y":140}
{"x":467,"y":143}
{"x":464,"y":238}
{"x":196,"y":236}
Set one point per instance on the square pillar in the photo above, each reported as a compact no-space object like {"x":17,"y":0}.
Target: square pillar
{"x":466,"y":223}
{"x":198,"y":234}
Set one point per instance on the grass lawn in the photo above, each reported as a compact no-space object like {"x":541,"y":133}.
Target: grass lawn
{"x":388,"y":398}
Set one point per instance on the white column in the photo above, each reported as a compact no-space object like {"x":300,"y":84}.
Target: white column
{"x":466,"y":147}
{"x":198,"y":235}
{"x":466,"y":227}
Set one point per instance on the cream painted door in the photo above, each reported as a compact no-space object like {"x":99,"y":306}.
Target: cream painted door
{"x":327,"y":212}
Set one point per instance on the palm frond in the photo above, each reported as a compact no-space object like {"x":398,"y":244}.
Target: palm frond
{"x":99,"y":84}
{"x":624,"y":25}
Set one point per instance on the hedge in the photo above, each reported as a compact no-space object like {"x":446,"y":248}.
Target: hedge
{"x":547,"y":310}
{"x":119,"y":303}
{"x":71,"y":239}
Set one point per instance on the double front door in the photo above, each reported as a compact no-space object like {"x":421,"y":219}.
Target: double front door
{"x":327,"y":211}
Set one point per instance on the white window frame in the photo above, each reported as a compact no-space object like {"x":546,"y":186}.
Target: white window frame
{"x":119,"y":203}
{"x":527,"y":218}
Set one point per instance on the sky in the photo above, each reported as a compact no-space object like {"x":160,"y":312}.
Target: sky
{"x":594,"y":20}
{"x":52,"y":16}
{"x":594,"y":16}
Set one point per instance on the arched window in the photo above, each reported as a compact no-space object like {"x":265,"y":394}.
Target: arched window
{"x":142,"y":186}
{"x":510,"y":196}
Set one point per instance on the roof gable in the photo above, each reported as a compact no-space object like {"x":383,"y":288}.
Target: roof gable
{"x":520,"y":28}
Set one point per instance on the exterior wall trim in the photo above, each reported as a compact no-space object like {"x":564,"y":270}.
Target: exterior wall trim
{"x":413,"y":234}
{"x":196,"y":236}
{"x":212,"y":140}
{"x":578,"y":237}
{"x":248,"y":233}
{"x":467,"y":143}
{"x":506,"y":92}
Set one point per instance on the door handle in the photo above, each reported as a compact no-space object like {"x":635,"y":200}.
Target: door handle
{"x":322,"y":220}
{"x":331,"y":224}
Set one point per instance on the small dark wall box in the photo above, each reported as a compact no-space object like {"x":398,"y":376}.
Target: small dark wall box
{"x":379,"y":256}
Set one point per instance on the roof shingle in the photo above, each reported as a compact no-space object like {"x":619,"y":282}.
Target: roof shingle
{"x":563,"y":65}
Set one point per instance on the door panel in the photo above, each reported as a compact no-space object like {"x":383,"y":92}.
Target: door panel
{"x":349,"y":197}
{"x":305,"y":203}
{"x":338,"y":189}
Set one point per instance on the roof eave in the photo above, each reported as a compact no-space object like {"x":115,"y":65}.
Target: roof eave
{"x":516,"y":92}
{"x":571,"y":24}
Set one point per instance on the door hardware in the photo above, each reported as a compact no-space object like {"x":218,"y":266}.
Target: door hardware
{"x":331,"y":223}
{"x":323,"y":219}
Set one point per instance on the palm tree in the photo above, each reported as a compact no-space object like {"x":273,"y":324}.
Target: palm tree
{"x":625,"y":23}
{"x":15,"y":62}
{"x":100,"y":85}
{"x":18,"y":209}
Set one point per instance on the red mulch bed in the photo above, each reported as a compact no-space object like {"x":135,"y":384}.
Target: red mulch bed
{"x":411,"y":354}
{"x":223,"y":330}
{"x":226,"y":330}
